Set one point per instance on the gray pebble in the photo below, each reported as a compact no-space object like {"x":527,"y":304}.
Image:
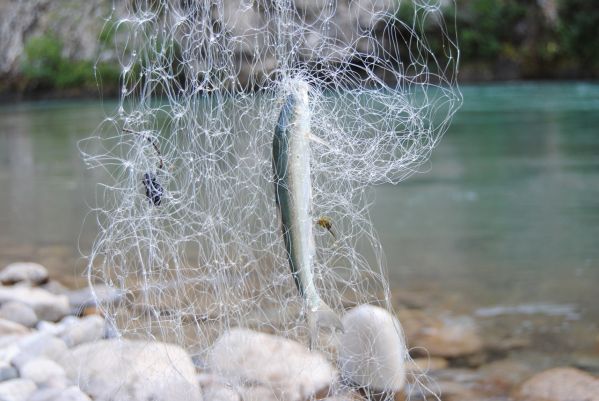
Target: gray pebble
{"x":19,"y":313}
{"x":7,"y":372}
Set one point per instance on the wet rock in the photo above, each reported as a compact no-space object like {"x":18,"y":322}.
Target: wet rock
{"x":441,"y":335}
{"x":88,"y":329}
{"x":16,"y":390}
{"x":126,"y":370}
{"x":19,"y":313}
{"x":284,"y":368}
{"x":44,"y":372}
{"x":372,"y":351}
{"x":86,"y":298}
{"x":24,"y":272}
{"x":46,"y":306}
{"x":9,"y":328}
{"x":38,"y":345}
{"x":559,"y":384}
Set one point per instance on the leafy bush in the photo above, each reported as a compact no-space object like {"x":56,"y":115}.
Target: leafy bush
{"x":44,"y":67}
{"x":42,"y":60}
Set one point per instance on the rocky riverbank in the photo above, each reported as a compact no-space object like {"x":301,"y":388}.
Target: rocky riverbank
{"x":55,"y":346}
{"x":66,"y":48}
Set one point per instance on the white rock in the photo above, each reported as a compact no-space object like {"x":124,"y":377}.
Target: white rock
{"x":89,"y":297}
{"x":38,"y":345}
{"x":31,"y":273}
{"x":16,"y":390}
{"x":54,"y":329}
{"x":73,"y":393}
{"x":44,"y":372}
{"x":47,"y":306}
{"x":126,"y":370}
{"x":10,"y":328}
{"x":372,"y":351}
{"x":285,"y":367}
{"x":18,"y":313}
{"x":46,"y":394}
{"x":88,"y":329}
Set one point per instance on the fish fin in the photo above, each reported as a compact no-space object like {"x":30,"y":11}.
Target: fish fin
{"x":319,"y":141}
{"x":322,"y":317}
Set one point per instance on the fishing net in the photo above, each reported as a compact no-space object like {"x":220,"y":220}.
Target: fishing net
{"x":189,"y":229}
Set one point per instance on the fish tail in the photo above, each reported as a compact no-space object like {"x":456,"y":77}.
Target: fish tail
{"x":322,"y":317}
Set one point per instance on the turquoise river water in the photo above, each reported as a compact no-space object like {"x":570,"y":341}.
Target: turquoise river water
{"x":503,"y":220}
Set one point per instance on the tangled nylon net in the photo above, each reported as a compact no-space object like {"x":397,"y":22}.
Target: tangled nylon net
{"x":188,"y":223}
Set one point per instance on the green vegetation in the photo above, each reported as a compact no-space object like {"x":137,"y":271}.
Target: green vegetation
{"x":521,"y":39}
{"x":498,"y":39}
{"x":45,"y":68}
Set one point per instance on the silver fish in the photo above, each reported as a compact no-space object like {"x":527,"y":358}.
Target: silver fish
{"x":293,"y":194}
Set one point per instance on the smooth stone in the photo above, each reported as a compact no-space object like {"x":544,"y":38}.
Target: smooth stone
{"x":27,"y":272}
{"x":72,"y":393}
{"x":559,"y":384}
{"x":84,"y":330}
{"x":425,"y":365}
{"x":85,"y":298}
{"x":127,"y":370}
{"x":44,"y":373}
{"x":16,"y":390}
{"x":442,"y":335}
{"x":10,"y":350}
{"x":7,"y":372}
{"x":19,"y":313}
{"x":38,"y":345}
{"x":10,"y":328}
{"x":55,"y":287}
{"x":372,"y":351}
{"x":46,"y":306}
{"x":502,"y":376}
{"x":283,"y":367}
{"x":46,"y":394}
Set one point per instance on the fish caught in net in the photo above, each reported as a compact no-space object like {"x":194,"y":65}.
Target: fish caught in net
{"x":190,"y":225}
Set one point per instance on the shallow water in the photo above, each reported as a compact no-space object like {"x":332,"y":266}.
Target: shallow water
{"x":505,"y":215}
